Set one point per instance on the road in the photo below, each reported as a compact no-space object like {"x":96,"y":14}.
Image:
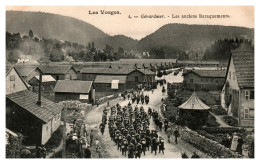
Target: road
{"x":93,"y":119}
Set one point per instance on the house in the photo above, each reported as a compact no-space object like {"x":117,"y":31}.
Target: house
{"x":14,"y":82}
{"x":107,"y":85}
{"x":59,"y":72}
{"x":238,"y":92}
{"x":74,"y":90}
{"x":35,"y":117}
{"x":134,"y":77}
{"x":205,"y":79}
{"x":27,"y":72}
{"x":48,"y":82}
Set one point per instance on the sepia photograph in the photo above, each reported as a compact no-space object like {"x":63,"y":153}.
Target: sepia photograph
{"x":141,"y":82}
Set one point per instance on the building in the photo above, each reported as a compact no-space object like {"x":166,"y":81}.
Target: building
{"x":107,"y":85}
{"x":59,"y":72}
{"x":205,"y":79}
{"x":238,"y":91}
{"x":202,"y":63}
{"x":74,"y":90}
{"x":35,"y":118}
{"x":14,"y":82}
{"x":27,"y":72}
{"x":48,"y":82}
{"x":134,"y":77}
{"x":193,"y":112}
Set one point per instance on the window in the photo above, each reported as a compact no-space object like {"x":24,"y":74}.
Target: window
{"x":252,"y":94}
{"x":46,"y":128}
{"x":13,"y":85}
{"x":191,"y":80}
{"x":249,"y":94}
{"x":249,"y":113}
{"x":136,"y":78}
{"x":12,"y":78}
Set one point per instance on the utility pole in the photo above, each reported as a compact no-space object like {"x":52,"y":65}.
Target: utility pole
{"x":65,"y":104}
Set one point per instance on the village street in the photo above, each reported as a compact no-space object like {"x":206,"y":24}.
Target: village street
{"x":109,"y":148}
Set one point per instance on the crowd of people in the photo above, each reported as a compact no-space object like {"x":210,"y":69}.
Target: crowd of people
{"x":129,"y":129}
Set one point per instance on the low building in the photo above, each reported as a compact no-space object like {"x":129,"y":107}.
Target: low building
{"x":59,"y":72}
{"x":48,"y":82}
{"x":36,"y":119}
{"x":134,"y":77}
{"x":14,"y":82}
{"x":27,"y":72}
{"x":74,"y":90}
{"x":238,"y":92}
{"x":205,"y":79}
{"x":107,"y":85}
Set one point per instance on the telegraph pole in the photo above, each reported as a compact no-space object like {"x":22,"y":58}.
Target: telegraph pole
{"x":65,"y":104}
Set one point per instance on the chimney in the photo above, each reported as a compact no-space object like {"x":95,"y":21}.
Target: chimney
{"x":39,"y":102}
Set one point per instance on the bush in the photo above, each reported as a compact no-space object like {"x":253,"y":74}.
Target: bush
{"x":218,"y":110}
{"x":230,"y":121}
{"x":170,"y":114}
{"x":223,"y":130}
{"x":55,"y":139}
{"x":212,"y":121}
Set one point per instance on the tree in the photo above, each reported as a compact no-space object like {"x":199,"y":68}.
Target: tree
{"x":31,"y":33}
{"x":120,"y":51}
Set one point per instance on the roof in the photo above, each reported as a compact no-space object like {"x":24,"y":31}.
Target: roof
{"x":45,"y":78}
{"x":109,"y":78}
{"x":197,"y":62}
{"x":10,"y":69}
{"x":25,"y":70}
{"x":27,"y":100}
{"x":55,"y":69}
{"x":73,"y":86}
{"x":243,"y":59}
{"x":112,"y":71}
{"x":208,"y":73}
{"x":194,"y":103}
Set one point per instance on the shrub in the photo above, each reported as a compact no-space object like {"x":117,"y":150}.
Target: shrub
{"x":230,"y":121}
{"x":55,"y":139}
{"x":218,"y":110}
{"x":212,"y":121}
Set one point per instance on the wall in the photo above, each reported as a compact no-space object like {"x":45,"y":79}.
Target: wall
{"x":246,"y":104}
{"x":88,"y":77}
{"x":70,"y":75}
{"x":35,"y":72}
{"x":46,"y":132}
{"x":130,"y":79}
{"x":16,"y":85}
{"x":68,"y":96}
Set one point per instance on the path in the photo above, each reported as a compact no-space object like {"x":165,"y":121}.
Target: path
{"x":219,"y":119}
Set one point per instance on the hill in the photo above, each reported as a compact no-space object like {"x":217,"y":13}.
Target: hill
{"x":117,"y":41}
{"x":190,"y":37}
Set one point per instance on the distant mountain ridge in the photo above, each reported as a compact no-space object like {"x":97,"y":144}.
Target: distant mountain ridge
{"x":182,"y":36}
{"x":190,"y":37}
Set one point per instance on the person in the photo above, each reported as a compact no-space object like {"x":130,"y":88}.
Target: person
{"x":108,"y":103}
{"x":184,"y":155}
{"x":152,"y":91}
{"x":99,"y":151}
{"x":240,"y":144}
{"x":143,"y":142}
{"x":87,"y":152}
{"x":124,"y":146}
{"x":195,"y":155}
{"x":128,"y":96}
{"x":161,"y":145}
{"x":91,"y":136}
{"x":234,"y":142}
{"x":154,"y":145}
{"x":43,"y":151}
{"x":176,"y":134}
{"x":169,"y":133}
{"x":166,"y":125}
{"x":160,"y":125}
{"x":97,"y":144}
{"x":138,"y":150}
{"x":131,"y":150}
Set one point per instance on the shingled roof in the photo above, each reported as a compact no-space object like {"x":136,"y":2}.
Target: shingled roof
{"x":109,"y":78}
{"x":55,"y":69}
{"x":25,"y":70}
{"x":243,"y":59}
{"x":111,"y":71}
{"x":73,"y":86}
{"x":208,"y":73}
{"x":27,"y":100}
{"x":194,"y":103}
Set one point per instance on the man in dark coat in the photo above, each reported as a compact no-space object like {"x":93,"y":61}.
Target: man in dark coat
{"x":176,"y":134}
{"x":87,"y":152}
{"x":161,"y":145}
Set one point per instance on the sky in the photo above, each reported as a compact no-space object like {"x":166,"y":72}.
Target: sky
{"x":137,"y":28}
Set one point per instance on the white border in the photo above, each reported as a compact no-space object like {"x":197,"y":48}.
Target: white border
{"x":123,"y":3}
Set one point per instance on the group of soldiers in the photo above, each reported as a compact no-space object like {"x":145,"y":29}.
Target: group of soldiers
{"x":129,"y":129}
{"x":137,"y":96}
